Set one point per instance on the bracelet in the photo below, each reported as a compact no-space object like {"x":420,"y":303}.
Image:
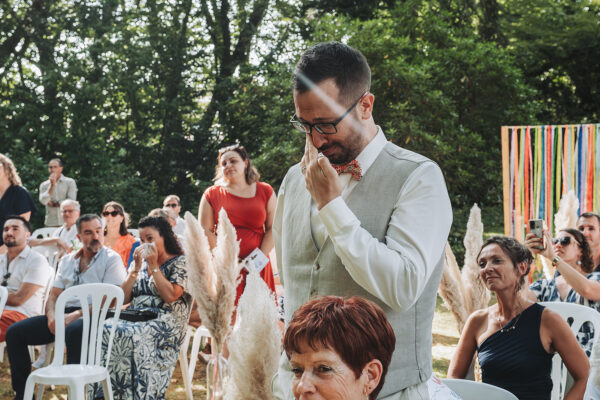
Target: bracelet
{"x":555,"y":261}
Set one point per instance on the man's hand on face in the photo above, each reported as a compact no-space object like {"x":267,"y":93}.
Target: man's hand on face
{"x":322,"y":180}
{"x":52,"y":179}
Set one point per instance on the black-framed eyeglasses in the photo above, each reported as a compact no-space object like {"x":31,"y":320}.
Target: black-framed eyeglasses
{"x":5,"y":279}
{"x":564,"y":241}
{"x":324,"y":128}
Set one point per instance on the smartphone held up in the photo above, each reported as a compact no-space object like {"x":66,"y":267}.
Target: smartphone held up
{"x":536,"y":226}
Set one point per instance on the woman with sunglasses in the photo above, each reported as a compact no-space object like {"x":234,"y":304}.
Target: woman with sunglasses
{"x":250,"y":207}
{"x":576,"y":282}
{"x":116,"y":235}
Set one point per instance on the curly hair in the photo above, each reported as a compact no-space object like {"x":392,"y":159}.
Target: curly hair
{"x":165,"y":231}
{"x":587,"y":263}
{"x":11,"y":171}
{"x":515,"y":250}
{"x":251,"y":172}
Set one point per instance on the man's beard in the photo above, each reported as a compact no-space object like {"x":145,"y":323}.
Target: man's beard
{"x":94,"y":246}
{"x":10,"y":244}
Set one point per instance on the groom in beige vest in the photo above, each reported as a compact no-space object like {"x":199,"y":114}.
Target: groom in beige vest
{"x":360,"y":215}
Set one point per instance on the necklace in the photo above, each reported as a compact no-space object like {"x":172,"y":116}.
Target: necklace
{"x":512,"y":326}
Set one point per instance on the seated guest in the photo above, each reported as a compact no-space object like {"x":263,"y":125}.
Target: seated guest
{"x":339,"y":348}
{"x":172,"y":202}
{"x":64,"y":237}
{"x":516,"y":339}
{"x":577,"y":282}
{"x":116,"y":235}
{"x":94,"y":263}
{"x":156,"y":281}
{"x":589,"y":224}
{"x":171,"y":218}
{"x":25,"y":274}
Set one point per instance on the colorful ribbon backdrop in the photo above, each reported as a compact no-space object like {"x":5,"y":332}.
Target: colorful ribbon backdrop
{"x":542,"y":163}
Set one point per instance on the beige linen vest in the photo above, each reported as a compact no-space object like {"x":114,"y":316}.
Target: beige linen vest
{"x":307,"y":272}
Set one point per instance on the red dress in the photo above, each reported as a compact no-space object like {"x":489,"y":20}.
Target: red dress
{"x":248,"y":216}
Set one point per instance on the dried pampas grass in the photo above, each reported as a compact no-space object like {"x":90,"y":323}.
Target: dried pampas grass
{"x":567,"y":215}
{"x":255,"y":343}
{"x":213,"y":276}
{"x":451,"y":289}
{"x":476,"y":294}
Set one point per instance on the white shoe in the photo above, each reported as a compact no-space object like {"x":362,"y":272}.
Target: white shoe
{"x":39,"y":363}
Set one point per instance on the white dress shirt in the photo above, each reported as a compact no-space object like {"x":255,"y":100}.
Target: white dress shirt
{"x":179,"y":228}
{"x":398,"y":270}
{"x":27,"y":267}
{"x":105,"y":267}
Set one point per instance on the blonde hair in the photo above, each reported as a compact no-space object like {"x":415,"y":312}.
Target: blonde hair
{"x":11,"y":171}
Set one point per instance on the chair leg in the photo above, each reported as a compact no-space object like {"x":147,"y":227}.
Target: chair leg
{"x":29,"y":388}
{"x":2,"y":346}
{"x":107,"y":388}
{"x":184,"y":374}
{"x":40,"y":392}
{"x":77,"y":391}
{"x":196,"y":343}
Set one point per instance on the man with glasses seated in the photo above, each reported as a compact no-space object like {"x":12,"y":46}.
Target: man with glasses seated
{"x":94,"y":263}
{"x":64,"y":237}
{"x":25,"y":274}
{"x":172,"y":202}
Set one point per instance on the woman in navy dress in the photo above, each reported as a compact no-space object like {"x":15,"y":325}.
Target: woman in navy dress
{"x":516,"y":339}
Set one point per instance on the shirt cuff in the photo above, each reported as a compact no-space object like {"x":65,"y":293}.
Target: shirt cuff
{"x":336,"y":215}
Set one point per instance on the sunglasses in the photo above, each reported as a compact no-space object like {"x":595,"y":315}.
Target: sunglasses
{"x":564,"y":241}
{"x":172,"y":205}
{"x":112,"y":213}
{"x":5,"y":279}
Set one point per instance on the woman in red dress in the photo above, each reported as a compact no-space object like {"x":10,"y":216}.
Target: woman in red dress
{"x":250,"y":206}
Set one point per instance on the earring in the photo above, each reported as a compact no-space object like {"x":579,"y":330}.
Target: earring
{"x":579,"y":262}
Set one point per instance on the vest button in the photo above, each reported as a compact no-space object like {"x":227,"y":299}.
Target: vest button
{"x":317,"y":266}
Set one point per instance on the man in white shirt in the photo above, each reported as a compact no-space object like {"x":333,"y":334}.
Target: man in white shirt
{"x":377,"y":230}
{"x":25,"y":274}
{"x":172,"y":202}
{"x":589,"y":224}
{"x":54,"y":191}
{"x":92,"y":264}
{"x":63,"y":238}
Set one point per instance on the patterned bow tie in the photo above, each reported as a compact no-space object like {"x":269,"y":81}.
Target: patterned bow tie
{"x":353,"y":168}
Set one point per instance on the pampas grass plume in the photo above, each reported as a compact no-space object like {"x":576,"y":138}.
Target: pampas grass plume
{"x":476,"y":294}
{"x":567,"y":216}
{"x":255,"y":343}
{"x":451,"y":289}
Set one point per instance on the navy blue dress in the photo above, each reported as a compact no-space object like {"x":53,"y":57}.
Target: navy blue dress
{"x":515,"y":360}
{"x":15,"y":201}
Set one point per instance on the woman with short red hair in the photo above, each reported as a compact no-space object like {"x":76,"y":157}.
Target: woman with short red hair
{"x":339,"y":348}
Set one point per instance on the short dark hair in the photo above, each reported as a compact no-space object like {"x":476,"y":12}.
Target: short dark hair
{"x":587,"y":263}
{"x":347,"y":66}
{"x":58,"y":160}
{"x":26,"y":223}
{"x":164,"y":229}
{"x":86,"y":218}
{"x":251,"y":172}
{"x":590,"y":215}
{"x":514,"y":249}
{"x":355,"y":328}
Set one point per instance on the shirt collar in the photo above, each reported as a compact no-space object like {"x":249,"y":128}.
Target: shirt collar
{"x":23,"y":254}
{"x":369,"y":154}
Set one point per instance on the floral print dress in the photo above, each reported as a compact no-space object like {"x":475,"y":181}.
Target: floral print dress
{"x":546,"y":290}
{"x":144,"y":354}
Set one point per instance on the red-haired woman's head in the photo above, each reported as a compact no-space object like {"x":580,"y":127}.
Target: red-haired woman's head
{"x":354,"y":329}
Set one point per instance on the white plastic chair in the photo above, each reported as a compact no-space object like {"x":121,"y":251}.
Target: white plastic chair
{"x":187,"y":369}
{"x":134,"y":232}
{"x":3,"y":298}
{"x":471,"y":390}
{"x":43,"y":233}
{"x":95,"y":298}
{"x":576,"y":315}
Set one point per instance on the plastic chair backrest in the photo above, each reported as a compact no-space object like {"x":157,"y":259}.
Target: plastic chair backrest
{"x":471,"y":390}
{"x":95,"y":300}
{"x":134,"y":232}
{"x":43,"y":233}
{"x":3,"y":297}
{"x":576,"y":315}
{"x":47,"y":290}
